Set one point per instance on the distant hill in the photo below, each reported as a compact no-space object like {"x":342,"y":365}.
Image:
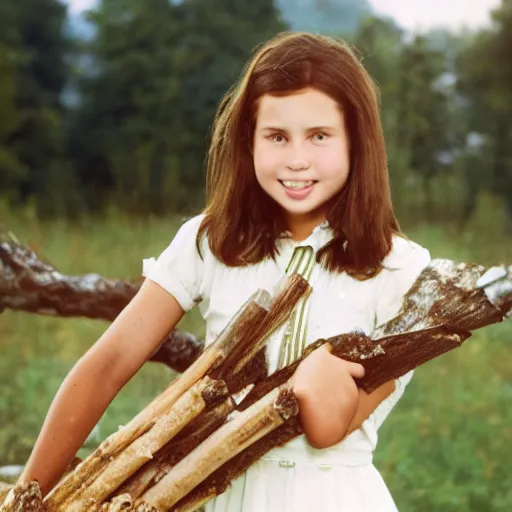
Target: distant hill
{"x":327,"y":16}
{"x":340,"y":17}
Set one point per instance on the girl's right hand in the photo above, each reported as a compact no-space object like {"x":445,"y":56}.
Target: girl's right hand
{"x":97,"y":378}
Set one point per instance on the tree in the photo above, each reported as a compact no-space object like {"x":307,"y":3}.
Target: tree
{"x":379,"y":42}
{"x":219,"y":38}
{"x":123,"y":129}
{"x":157,"y":72}
{"x":36,"y":137}
{"x":484,"y":78}
{"x":423,"y":120}
{"x":12,"y":171}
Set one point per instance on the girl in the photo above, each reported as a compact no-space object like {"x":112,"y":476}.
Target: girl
{"x":298,"y":182}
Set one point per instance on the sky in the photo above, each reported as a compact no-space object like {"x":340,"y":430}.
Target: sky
{"x":425,"y":14}
{"x":410,"y":14}
{"x":79,"y":5}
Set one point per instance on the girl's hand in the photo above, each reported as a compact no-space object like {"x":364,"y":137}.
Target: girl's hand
{"x":327,"y":395}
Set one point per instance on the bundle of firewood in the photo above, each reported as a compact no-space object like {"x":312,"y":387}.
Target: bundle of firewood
{"x":193,"y":439}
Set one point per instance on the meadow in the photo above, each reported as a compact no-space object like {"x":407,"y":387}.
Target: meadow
{"x":446,"y":447}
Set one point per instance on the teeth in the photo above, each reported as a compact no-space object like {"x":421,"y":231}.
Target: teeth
{"x":297,"y":184}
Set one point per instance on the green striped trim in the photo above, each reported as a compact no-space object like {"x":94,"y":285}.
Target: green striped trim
{"x":294,"y":339}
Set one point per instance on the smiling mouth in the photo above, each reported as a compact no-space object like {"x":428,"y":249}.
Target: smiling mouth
{"x":297,"y":185}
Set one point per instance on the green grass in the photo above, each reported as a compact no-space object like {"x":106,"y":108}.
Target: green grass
{"x":446,"y":446}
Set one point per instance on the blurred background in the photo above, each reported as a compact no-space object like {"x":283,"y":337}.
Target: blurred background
{"x":105,"y":108}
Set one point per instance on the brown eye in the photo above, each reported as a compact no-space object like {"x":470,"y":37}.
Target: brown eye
{"x":321,"y":137}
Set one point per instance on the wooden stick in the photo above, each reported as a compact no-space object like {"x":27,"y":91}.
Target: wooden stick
{"x":264,"y":416}
{"x":23,"y":498}
{"x":394,"y":356}
{"x":245,"y":329}
{"x":182,"y":444}
{"x":290,"y":290}
{"x":219,"y":481}
{"x":4,"y":490}
{"x":383,"y":359}
{"x":252,"y":313}
{"x":187,"y":407}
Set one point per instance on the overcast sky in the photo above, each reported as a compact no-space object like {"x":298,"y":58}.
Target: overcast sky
{"x":79,"y":5}
{"x":410,"y":14}
{"x":421,"y":14}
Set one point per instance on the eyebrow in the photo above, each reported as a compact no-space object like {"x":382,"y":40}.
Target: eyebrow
{"x":311,"y":129}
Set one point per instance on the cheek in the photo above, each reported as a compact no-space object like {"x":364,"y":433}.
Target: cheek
{"x":265,"y":160}
{"x":333,"y":163}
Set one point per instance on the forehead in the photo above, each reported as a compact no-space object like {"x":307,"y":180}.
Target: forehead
{"x":309,"y":105}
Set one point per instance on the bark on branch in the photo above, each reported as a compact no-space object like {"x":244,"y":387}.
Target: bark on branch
{"x":30,"y":284}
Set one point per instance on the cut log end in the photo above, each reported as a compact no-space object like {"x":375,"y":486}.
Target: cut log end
{"x":262,"y":298}
{"x":286,"y":403}
{"x":24,"y":498}
{"x":125,"y":503}
{"x":355,"y":346}
{"x":215,"y":392}
{"x":118,"y":504}
{"x":144,"y":507}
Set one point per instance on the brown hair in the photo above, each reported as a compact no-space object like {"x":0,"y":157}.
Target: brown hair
{"x":242,"y":222}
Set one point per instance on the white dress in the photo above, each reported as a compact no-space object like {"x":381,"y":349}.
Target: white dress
{"x":297,"y":477}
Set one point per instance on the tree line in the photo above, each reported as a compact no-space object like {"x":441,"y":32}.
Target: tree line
{"x":122,"y":115}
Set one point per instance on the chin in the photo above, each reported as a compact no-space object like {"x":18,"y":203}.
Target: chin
{"x":300,"y":212}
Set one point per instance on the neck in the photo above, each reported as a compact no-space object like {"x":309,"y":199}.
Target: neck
{"x":302,"y":228}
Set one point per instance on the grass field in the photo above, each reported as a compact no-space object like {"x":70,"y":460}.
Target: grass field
{"x":446,"y":447}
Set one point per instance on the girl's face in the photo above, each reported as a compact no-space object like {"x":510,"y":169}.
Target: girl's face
{"x":301,"y":155}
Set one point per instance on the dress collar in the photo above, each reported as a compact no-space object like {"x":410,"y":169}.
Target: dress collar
{"x":320,"y":235}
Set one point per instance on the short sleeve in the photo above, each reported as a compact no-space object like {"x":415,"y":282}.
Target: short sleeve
{"x":179,"y":269}
{"x":402,"y":268}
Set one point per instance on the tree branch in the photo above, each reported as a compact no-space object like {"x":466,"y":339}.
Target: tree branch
{"x":30,"y":284}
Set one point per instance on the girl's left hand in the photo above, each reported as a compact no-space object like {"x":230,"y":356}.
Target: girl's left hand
{"x":327,"y":395}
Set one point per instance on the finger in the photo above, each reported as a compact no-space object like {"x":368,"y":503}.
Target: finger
{"x":356,"y":370}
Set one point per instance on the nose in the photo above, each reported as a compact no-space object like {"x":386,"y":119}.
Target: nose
{"x":298,"y":159}
{"x":299,"y":165}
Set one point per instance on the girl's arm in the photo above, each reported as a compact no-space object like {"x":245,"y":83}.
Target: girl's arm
{"x":330,"y":404}
{"x":97,"y":378}
{"x":367,"y":403}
